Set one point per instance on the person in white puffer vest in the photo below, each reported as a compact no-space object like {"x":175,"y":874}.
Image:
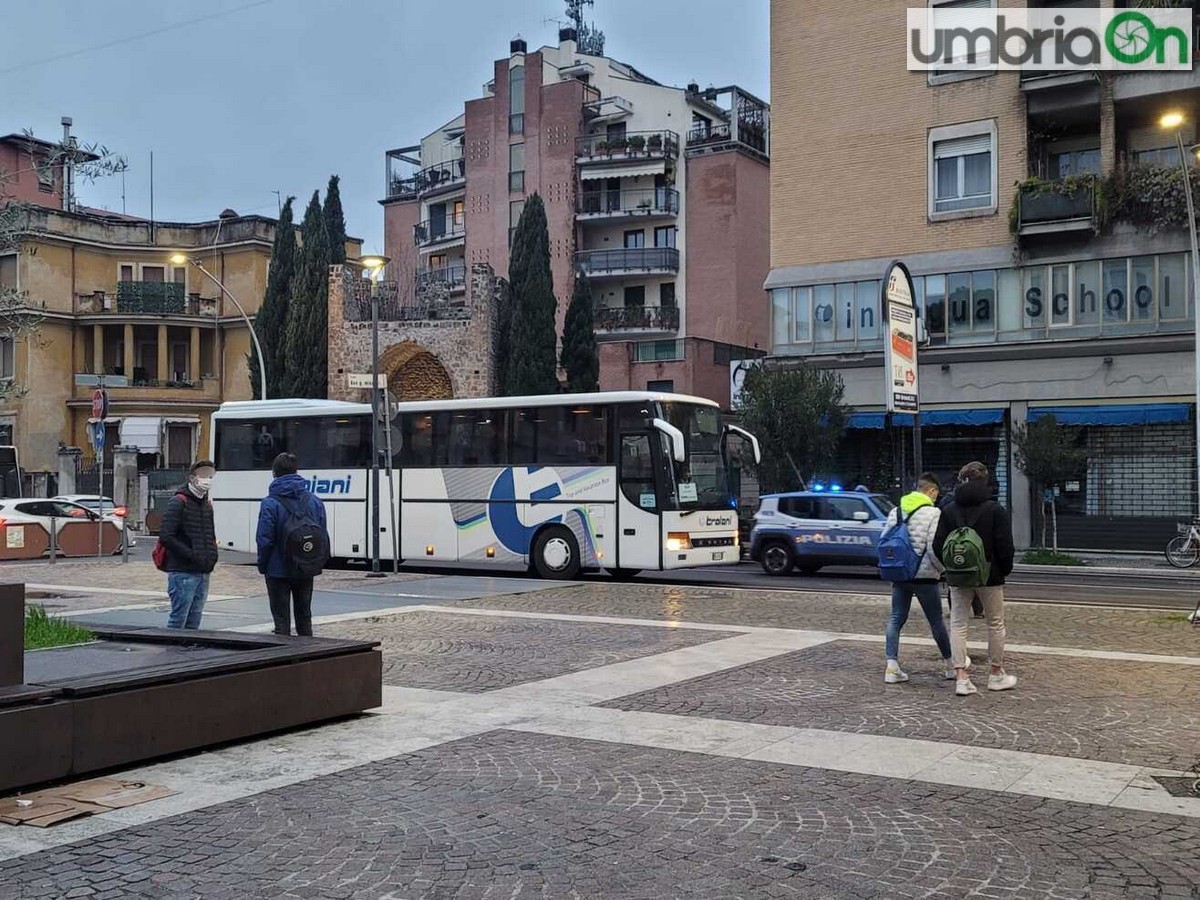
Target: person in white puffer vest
{"x":922,"y":515}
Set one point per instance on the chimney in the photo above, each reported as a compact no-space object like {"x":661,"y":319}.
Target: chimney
{"x":693,"y":88}
{"x":517,"y":45}
{"x":68,"y":169}
{"x":568,"y":34}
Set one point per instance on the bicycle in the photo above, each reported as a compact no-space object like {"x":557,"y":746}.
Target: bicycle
{"x":1183,"y":550}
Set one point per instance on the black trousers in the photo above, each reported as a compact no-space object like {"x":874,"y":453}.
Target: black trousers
{"x":285,"y":593}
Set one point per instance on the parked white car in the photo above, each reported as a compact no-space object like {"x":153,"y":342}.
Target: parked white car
{"x":63,"y":511}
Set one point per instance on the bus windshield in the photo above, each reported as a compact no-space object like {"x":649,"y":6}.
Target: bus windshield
{"x":702,"y":481}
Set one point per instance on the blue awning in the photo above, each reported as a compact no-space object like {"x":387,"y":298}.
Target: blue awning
{"x":930,"y":417}
{"x":1125,"y":414}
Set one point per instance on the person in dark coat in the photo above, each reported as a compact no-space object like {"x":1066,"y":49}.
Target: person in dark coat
{"x":286,"y":589}
{"x":976,"y":604}
{"x":190,"y":538}
{"x":973,"y":506}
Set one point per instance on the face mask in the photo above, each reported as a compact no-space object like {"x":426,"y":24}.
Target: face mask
{"x":202,"y":484}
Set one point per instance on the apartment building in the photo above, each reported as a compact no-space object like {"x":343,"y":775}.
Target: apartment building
{"x":657,"y":194}
{"x":1051,"y":268}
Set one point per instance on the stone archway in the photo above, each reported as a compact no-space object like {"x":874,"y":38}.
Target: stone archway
{"x":413,"y":373}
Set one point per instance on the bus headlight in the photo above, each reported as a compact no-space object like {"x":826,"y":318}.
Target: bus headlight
{"x":678,"y":540}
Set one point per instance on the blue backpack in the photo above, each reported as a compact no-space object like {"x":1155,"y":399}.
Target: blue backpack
{"x":898,"y":559}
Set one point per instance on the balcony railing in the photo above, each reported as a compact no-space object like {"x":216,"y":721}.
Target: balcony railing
{"x":1048,"y":208}
{"x":394,"y":306}
{"x":636,"y":202}
{"x":434,"y":231}
{"x":631,"y":145}
{"x":633,"y":260}
{"x":160,"y":298}
{"x":637,"y":318}
{"x":453,"y":277}
{"x":429,"y":180}
{"x":713,"y":136}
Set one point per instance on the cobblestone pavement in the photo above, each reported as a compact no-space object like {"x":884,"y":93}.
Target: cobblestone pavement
{"x":79,"y":577}
{"x":1135,"y":713}
{"x":481,"y":653}
{"x":507,"y":814}
{"x":1138,"y":631}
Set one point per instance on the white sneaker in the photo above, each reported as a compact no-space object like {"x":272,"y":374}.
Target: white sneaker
{"x":894,"y":674}
{"x":964,"y":687}
{"x":951,"y":674}
{"x":1002,"y":682}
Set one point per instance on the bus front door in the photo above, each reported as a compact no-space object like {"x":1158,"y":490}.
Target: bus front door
{"x":639,"y":540}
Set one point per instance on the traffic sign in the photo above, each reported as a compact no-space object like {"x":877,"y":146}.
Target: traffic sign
{"x":99,"y":403}
{"x":97,"y":429}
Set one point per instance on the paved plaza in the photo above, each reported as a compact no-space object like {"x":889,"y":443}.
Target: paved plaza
{"x":609,"y":740}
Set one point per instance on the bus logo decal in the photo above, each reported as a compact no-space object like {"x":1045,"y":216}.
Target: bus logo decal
{"x":329,"y":485}
{"x":514,"y":534}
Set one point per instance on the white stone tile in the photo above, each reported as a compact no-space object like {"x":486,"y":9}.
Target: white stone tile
{"x":868,"y":754}
{"x":1082,"y":780}
{"x":1157,"y":801}
{"x":979,"y":767}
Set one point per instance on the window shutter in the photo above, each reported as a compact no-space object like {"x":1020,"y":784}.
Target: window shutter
{"x":976,"y":143}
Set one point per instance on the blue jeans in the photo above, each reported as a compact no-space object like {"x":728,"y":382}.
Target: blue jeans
{"x":188,"y":591}
{"x":931,"y":603}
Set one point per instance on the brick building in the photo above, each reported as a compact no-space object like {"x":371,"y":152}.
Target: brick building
{"x":1038,"y":294}
{"x":658,"y":194}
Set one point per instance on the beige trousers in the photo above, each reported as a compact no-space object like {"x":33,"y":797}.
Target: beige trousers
{"x":960,"y":614}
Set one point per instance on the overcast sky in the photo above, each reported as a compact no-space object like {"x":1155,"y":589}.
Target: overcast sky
{"x":238,"y":99}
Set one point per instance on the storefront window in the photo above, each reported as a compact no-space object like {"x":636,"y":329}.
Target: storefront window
{"x":1172,"y":287}
{"x":802,"y":314}
{"x":1060,"y":296}
{"x":781,"y":316}
{"x":845,"y":311}
{"x":1088,"y":293}
{"x":983,"y":301}
{"x":1008,"y":312}
{"x":1142,"y":289}
{"x":935,"y":308}
{"x":823,"y":313}
{"x":958,"y":302}
{"x":866,"y":310}
{"x":1116,"y":291}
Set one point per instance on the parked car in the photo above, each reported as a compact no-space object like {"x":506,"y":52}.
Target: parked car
{"x":63,"y":511}
{"x":112,"y":512}
{"x":807,"y":530}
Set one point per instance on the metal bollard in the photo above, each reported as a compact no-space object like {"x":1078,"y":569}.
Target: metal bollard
{"x":53,"y":540}
{"x":125,"y":544}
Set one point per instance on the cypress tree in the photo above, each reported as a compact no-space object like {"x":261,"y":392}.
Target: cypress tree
{"x":532,"y":359}
{"x":307,"y":331}
{"x":579,"y":358}
{"x":335,"y":222}
{"x":270,"y":321}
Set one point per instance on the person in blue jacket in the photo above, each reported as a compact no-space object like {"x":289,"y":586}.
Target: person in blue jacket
{"x":285,"y":588}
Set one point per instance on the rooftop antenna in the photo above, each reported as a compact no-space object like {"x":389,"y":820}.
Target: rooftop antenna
{"x":590,"y":39}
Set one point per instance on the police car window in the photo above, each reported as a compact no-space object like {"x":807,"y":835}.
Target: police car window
{"x":798,"y":507}
{"x":842,"y":508}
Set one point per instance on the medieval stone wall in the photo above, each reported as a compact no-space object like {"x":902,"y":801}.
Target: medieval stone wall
{"x":427,"y":350}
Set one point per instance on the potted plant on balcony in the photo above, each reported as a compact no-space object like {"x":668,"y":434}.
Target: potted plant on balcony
{"x":637,"y":143}
{"x":654,"y":143}
{"x":618,"y":145}
{"x":600,"y":146}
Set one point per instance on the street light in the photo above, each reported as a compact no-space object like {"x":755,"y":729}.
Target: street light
{"x":180,"y":259}
{"x":1174,"y":120}
{"x":375,"y":265}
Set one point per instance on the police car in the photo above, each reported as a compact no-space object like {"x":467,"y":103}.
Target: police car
{"x":825,"y":526}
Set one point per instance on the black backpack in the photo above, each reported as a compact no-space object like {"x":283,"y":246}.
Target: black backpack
{"x":305,"y":541}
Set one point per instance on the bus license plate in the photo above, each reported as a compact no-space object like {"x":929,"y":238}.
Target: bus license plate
{"x":717,"y":557}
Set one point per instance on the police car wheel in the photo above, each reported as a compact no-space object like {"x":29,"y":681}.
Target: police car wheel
{"x":777,"y":558}
{"x":556,"y":554}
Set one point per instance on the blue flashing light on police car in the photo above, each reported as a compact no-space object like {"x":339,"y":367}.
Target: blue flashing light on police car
{"x":823,"y":526}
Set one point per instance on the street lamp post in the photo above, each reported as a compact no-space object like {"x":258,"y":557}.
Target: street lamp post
{"x":180,"y":259}
{"x":1174,"y":120}
{"x":374,"y":265}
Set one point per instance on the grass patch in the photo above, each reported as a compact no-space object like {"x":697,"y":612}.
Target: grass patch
{"x":42,"y":630}
{"x":1041,"y":556}
{"x":1171,"y":618}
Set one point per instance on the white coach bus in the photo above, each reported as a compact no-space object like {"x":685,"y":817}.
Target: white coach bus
{"x":623,"y":481}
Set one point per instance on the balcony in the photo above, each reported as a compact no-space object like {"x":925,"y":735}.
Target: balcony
{"x":1056,"y":207}
{"x":631,"y":146}
{"x":719,"y":136}
{"x":642,"y":319}
{"x":628,"y":261}
{"x":607,"y":109}
{"x":451,"y":278}
{"x":430,"y":181}
{"x":639,"y":203}
{"x":155,"y":298}
{"x":126,"y":302}
{"x":434,"y":232}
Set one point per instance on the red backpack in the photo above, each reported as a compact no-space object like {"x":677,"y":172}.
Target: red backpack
{"x":160,"y":549}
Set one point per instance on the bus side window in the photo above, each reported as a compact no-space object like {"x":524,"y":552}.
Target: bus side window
{"x":637,"y":471}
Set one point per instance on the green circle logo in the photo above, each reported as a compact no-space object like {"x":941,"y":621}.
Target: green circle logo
{"x":1131,"y":37}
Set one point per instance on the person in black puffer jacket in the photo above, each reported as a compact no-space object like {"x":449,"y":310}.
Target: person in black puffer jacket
{"x":191,"y":541}
{"x":973,"y":506}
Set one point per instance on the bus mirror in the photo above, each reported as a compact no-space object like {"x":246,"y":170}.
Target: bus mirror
{"x":678,"y":449}
{"x":749,"y":437}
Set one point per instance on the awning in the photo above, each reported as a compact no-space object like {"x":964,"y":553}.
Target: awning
{"x":598,"y":173}
{"x":143,"y":432}
{"x":930,"y":417}
{"x":1124,"y":414}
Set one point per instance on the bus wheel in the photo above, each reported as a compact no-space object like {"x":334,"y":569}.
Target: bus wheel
{"x":556,"y":554}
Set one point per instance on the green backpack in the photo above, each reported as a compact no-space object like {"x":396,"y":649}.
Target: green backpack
{"x":963,"y":554}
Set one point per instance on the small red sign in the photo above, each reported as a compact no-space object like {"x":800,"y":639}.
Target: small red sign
{"x":99,"y":404}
